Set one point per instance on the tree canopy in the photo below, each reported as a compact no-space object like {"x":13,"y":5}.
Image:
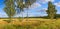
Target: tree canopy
{"x":51,"y":10}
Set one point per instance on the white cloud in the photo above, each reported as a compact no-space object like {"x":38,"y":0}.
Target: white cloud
{"x":3,"y":15}
{"x":44,"y":8}
{"x":49,"y":0}
{"x":45,"y":1}
{"x":57,"y":4}
{"x":35,"y":5}
{"x":24,"y":15}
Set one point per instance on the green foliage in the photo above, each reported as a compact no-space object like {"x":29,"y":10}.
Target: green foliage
{"x":21,"y":5}
{"x":51,"y":10}
{"x":9,"y":11}
{"x":29,"y":2}
{"x":9,"y":8}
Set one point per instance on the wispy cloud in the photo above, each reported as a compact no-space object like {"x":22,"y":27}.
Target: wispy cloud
{"x":45,"y":1}
{"x":3,"y":15}
{"x":57,"y":4}
{"x":35,"y":5}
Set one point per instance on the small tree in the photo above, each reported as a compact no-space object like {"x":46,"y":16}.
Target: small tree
{"x":21,"y":4}
{"x":9,"y":8}
{"x":29,"y":3}
{"x":51,"y":10}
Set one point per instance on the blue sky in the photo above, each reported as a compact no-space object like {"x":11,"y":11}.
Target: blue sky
{"x":37,"y":9}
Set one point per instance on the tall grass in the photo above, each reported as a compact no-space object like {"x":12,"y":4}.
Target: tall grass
{"x":46,"y":24}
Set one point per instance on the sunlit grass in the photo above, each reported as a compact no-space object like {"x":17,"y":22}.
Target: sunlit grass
{"x":31,"y":23}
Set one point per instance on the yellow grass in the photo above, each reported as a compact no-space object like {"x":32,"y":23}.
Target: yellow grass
{"x":38,"y":22}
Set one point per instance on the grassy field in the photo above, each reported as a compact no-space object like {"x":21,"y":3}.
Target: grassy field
{"x":30,"y":23}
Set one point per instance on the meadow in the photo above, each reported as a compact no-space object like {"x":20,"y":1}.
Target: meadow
{"x":30,"y":23}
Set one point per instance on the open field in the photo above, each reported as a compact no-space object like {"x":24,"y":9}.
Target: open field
{"x":30,"y":23}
